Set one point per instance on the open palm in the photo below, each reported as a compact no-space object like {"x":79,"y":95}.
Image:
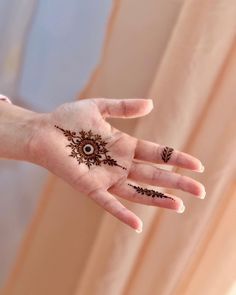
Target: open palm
{"x":77,"y":144}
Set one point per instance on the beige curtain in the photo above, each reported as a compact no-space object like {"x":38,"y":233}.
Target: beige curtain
{"x":15,"y":19}
{"x":16,"y":201}
{"x":183,"y":55}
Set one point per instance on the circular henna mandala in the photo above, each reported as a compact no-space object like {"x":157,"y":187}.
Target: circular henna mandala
{"x":88,"y":148}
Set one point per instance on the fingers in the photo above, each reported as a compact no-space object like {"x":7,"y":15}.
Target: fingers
{"x":124,"y":108}
{"x":113,"y":206}
{"x":136,"y":194}
{"x":152,"y":152}
{"x":149,"y":174}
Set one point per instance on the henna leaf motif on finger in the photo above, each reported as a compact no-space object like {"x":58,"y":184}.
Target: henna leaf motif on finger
{"x":166,"y":154}
{"x":149,"y":192}
{"x":88,"y":148}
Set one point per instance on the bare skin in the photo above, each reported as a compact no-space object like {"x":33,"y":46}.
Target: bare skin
{"x":45,"y":145}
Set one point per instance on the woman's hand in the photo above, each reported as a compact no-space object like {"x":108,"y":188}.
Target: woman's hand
{"x":77,"y":144}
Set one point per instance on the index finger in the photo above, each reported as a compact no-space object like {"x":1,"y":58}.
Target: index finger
{"x":124,"y":108}
{"x":160,"y":154}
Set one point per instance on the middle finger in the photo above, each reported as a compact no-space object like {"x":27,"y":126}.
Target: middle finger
{"x":155,"y":153}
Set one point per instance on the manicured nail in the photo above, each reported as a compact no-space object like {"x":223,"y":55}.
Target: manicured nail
{"x":202,"y":168}
{"x":181,"y":209}
{"x":203,"y":195}
{"x":138,"y":231}
{"x":151,"y":102}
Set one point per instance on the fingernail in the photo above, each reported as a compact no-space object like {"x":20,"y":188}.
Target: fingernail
{"x":138,"y":231}
{"x":203,"y":195}
{"x":181,"y":209}
{"x":151,"y":102}
{"x":202,"y":168}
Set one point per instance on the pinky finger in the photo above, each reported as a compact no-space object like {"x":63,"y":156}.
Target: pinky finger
{"x":113,"y":206}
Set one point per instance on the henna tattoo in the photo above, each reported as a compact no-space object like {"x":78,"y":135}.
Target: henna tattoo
{"x":149,"y":192}
{"x":166,"y":154}
{"x":88,"y":148}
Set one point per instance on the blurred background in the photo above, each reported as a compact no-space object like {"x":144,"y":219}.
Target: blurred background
{"x":180,"y":53}
{"x":47,"y":53}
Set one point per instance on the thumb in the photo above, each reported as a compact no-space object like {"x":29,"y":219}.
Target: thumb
{"x":124,"y":108}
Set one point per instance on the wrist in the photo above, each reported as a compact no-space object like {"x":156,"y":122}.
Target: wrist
{"x":17,"y":128}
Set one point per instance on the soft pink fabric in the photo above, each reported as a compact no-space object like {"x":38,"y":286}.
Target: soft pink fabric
{"x":183,"y":55}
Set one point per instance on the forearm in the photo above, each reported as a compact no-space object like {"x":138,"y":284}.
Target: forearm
{"x":16,"y":131}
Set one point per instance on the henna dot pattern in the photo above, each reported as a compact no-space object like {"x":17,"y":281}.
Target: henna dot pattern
{"x":88,"y":148}
{"x":166,"y":154}
{"x":149,"y":192}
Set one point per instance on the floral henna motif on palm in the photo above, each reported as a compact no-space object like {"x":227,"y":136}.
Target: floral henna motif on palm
{"x":149,"y":192}
{"x":88,"y":148}
{"x":166,"y":154}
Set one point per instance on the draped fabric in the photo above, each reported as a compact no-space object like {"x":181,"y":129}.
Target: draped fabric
{"x":17,"y":197}
{"x":34,"y":63}
{"x":13,"y":14}
{"x":183,"y":56}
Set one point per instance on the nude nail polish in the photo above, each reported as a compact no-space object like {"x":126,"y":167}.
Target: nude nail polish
{"x":202,"y":168}
{"x":203,"y":195}
{"x":181,"y":209}
{"x":138,"y":231}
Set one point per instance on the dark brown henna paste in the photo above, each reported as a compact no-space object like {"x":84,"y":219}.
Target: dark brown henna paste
{"x":166,"y":154}
{"x":149,"y":192}
{"x":88,"y":148}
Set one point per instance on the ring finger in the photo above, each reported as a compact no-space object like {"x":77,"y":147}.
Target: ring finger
{"x":134,"y":193}
{"x":152,"y":175}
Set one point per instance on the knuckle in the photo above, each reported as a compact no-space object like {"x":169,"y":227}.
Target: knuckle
{"x":107,"y":111}
{"x":120,"y":210}
{"x":107,"y":204}
{"x":157,"y":151}
{"x":156,"y":174}
{"x":180,"y":182}
{"x":124,"y":108}
{"x":94,"y":192}
{"x":133,"y":170}
{"x":178,"y":158}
